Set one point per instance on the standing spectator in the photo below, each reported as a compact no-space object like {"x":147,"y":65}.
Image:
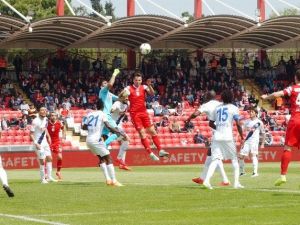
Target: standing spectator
{"x":233,"y":64}
{"x":256,"y":66}
{"x":18,"y":63}
{"x":3,"y":65}
{"x":223,"y":64}
{"x":85,"y":65}
{"x":246,"y":63}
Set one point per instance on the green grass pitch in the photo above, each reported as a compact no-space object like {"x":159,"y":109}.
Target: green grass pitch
{"x":152,"y":195}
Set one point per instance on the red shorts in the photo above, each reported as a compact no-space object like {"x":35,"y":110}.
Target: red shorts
{"x":56,"y":147}
{"x":292,"y":137}
{"x":141,"y":120}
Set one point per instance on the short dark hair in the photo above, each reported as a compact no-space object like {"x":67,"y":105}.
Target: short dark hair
{"x":253,"y":109}
{"x":297,"y":74}
{"x":227,"y":96}
{"x":137,"y":74}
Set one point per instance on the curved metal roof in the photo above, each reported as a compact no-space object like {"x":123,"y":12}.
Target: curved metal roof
{"x":162,"y":32}
{"x":273,"y":32}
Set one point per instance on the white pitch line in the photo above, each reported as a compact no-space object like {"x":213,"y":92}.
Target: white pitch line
{"x":26,"y":218}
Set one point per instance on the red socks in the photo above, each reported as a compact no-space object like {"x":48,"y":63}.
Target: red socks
{"x":59,"y":165}
{"x":146,"y":143}
{"x":285,"y":160}
{"x":156,"y":142}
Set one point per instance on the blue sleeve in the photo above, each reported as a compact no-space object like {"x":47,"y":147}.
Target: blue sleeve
{"x":103,"y":93}
{"x":114,"y":97}
{"x":236,"y":117}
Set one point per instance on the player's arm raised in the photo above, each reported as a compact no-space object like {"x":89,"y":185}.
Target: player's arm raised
{"x":273,"y":95}
{"x":113,"y":78}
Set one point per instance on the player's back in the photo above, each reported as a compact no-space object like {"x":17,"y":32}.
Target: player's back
{"x":223,"y":116}
{"x":95,"y":123}
{"x":118,"y":109}
{"x":294,"y":93}
{"x":209,"y":107}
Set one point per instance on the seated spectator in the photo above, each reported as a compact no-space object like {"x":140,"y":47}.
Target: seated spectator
{"x":175,"y":127}
{"x":179,"y":110}
{"x":164,"y":122}
{"x":14,"y":122}
{"x":199,"y":138}
{"x":269,"y":138}
{"x":31,"y":113}
{"x":5,"y":125}
{"x":157,"y":108}
{"x":188,"y":127}
{"x":165,"y":111}
{"x":23,"y":122}
{"x":24,"y":107}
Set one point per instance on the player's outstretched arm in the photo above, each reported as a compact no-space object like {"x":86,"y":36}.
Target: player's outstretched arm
{"x":273,"y":95}
{"x":115,"y":131}
{"x":193,"y":116}
{"x":113,"y":78}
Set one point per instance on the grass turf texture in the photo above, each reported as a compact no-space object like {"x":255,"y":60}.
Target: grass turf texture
{"x":152,"y":195}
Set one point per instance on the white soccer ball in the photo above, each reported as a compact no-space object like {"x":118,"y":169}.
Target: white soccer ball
{"x":145,"y":48}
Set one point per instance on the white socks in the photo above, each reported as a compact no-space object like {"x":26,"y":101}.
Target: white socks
{"x":3,"y":176}
{"x":222,"y":171}
{"x":211,"y":169}
{"x":205,"y":169}
{"x":49,"y":169}
{"x":122,"y":151}
{"x":42,"y":172}
{"x":105,"y":172}
{"x":111,"y":172}
{"x":236,"y":171}
{"x":242,"y":165}
{"x":255,"y":164}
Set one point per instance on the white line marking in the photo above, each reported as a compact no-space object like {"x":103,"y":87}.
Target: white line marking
{"x":26,"y":218}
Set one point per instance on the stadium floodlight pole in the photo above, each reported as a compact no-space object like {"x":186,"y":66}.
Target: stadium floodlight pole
{"x":165,"y":10}
{"x":140,"y":6}
{"x":289,"y":4}
{"x":70,"y":8}
{"x":272,"y":7}
{"x":94,"y":11}
{"x":16,"y":11}
{"x":209,"y":8}
{"x":234,"y":9}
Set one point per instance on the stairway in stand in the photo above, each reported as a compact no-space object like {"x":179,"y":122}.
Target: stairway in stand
{"x":19,"y":90}
{"x":251,"y":86}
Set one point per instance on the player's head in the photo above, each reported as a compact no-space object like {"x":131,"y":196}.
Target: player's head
{"x":99,"y":105}
{"x":253,"y":112}
{"x":43,"y":112}
{"x":104,"y":83}
{"x":124,"y":98}
{"x":297,"y":76}
{"x":53,"y":116}
{"x":227,"y":96}
{"x":210,"y":96}
{"x":137,"y":79}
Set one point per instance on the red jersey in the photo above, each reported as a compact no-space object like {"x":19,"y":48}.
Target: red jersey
{"x":294,"y":93}
{"x":137,"y":97}
{"x":54,"y":129}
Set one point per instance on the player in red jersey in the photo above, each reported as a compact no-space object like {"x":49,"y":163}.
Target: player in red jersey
{"x":54,"y":127}
{"x":139,"y":116}
{"x":292,"y":137}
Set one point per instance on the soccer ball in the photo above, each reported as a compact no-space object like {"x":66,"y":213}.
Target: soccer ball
{"x":145,"y":48}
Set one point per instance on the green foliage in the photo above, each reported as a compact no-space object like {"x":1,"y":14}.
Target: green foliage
{"x":286,"y":12}
{"x":107,"y":10}
{"x":38,"y":9}
{"x":187,"y":15}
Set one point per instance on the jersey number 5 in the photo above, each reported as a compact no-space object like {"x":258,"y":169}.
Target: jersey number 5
{"x":222,"y":114}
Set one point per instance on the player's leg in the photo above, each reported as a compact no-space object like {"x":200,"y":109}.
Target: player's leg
{"x":200,"y":179}
{"x":49,"y":164}
{"x":151,"y":130}
{"x":59,"y":165}
{"x":291,"y":139}
{"x":225,"y":181}
{"x":111,"y":137}
{"x":111,"y":171}
{"x":254,"y":154}
{"x":4,"y":181}
{"x":41,"y":158}
{"x":103,"y":166}
{"x":121,"y":158}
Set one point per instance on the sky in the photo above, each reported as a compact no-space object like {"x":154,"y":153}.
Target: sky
{"x":178,"y":6}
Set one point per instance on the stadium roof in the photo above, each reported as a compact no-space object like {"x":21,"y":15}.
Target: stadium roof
{"x":220,"y":31}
